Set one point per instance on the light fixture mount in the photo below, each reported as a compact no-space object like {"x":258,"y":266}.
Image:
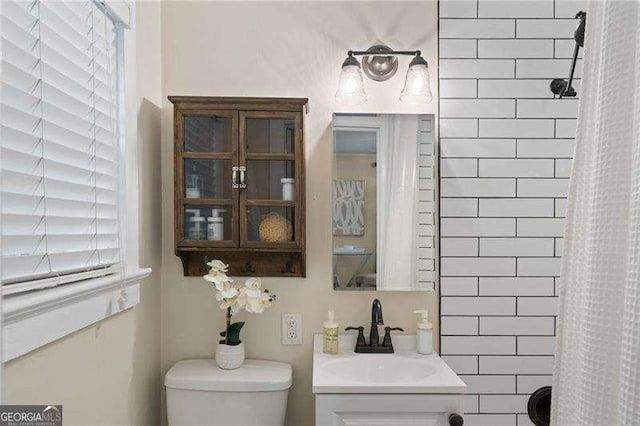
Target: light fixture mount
{"x":380,"y":67}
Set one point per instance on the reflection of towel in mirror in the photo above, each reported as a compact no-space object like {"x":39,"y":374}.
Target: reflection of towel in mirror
{"x":398,"y":205}
{"x":348,"y":207}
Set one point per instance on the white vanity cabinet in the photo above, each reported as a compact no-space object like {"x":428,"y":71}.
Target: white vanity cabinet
{"x":400,"y":389}
{"x":385,"y":410}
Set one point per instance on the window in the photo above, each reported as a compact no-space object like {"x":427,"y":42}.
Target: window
{"x":68,"y":181}
{"x":59,"y":138}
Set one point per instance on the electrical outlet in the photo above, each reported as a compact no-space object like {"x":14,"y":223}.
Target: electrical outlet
{"x":291,"y":329}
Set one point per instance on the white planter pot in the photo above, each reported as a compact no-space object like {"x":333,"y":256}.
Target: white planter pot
{"x":229,"y":357}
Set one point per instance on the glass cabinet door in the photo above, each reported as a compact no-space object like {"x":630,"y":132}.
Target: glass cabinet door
{"x":270,"y":203}
{"x":208,"y":201}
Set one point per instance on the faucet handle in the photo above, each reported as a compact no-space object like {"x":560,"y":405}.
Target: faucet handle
{"x":387,"y":335}
{"x":360,"y":341}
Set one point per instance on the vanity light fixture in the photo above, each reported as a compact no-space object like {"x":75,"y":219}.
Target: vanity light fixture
{"x":380,"y":63}
{"x":416,"y":85}
{"x":350,"y":86}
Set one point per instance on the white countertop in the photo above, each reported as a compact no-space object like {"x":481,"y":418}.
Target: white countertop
{"x":404,"y":371}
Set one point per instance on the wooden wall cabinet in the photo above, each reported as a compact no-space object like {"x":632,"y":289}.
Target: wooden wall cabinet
{"x":239,"y":184}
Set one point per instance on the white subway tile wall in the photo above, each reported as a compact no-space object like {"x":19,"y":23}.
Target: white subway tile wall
{"x":500,"y":88}
{"x":536,"y":345}
{"x":545,"y":68}
{"x":459,"y":88}
{"x":565,"y":48}
{"x":475,"y":148}
{"x":459,"y":286}
{"x":490,"y":384}
{"x":524,"y":364}
{"x":529,"y":384}
{"x":503,"y":403}
{"x":458,"y":49}
{"x":459,"y":9}
{"x":515,"y":9}
{"x":489,"y":419}
{"x":506,"y":147}
{"x":515,"y":48}
{"x":523,"y":420}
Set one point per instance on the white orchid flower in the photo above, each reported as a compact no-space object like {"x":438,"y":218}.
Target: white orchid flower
{"x":226,"y":291}
{"x":258,"y":304}
{"x":220,"y":285}
{"x":253,"y":307}
{"x":235,"y":308}
{"x":217,"y":266}
{"x":253,"y":283}
{"x":217,"y":278}
{"x":229,"y":292}
{"x":224,"y":304}
{"x":252,"y":288}
{"x":232,"y":303}
{"x":249,"y":296}
{"x":250,"y":293}
{"x":243,"y":297}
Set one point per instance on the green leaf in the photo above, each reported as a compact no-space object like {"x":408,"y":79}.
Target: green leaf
{"x":233,"y":333}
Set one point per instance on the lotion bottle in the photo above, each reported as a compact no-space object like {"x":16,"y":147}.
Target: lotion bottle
{"x":330,"y":335}
{"x":424,"y":333}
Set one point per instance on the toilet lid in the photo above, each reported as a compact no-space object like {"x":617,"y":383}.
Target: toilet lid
{"x":204,"y":374}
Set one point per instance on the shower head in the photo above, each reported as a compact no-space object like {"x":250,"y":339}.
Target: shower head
{"x":560,"y":86}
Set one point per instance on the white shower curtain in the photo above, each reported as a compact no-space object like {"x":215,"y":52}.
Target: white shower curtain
{"x":398,"y":204}
{"x":597,"y":371}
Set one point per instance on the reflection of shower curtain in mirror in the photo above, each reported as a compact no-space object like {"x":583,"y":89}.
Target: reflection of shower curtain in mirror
{"x":398,"y":204}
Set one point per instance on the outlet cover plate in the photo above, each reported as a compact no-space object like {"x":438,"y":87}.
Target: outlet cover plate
{"x":291,"y":329}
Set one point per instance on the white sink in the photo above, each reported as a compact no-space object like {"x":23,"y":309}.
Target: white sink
{"x":383,"y":368}
{"x":404,"y":371}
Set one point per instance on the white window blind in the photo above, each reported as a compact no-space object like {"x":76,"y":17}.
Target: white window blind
{"x":60,"y":174}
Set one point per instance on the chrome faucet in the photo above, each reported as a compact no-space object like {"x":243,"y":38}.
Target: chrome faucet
{"x":374,"y":346}
{"x":376,"y":319}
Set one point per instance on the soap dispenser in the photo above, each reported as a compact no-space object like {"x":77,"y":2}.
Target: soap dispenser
{"x":424,"y":333}
{"x":330,"y":335}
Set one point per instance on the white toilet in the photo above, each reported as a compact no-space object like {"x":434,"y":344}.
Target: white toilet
{"x":200,"y":393}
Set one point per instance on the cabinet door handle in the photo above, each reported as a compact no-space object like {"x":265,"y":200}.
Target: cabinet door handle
{"x":242,"y":169}
{"x":234,"y":177}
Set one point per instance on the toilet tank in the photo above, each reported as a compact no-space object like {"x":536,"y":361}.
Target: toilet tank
{"x":200,"y":393}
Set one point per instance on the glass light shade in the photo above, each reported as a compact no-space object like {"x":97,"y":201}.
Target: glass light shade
{"x":417,"y":89}
{"x":350,"y":86}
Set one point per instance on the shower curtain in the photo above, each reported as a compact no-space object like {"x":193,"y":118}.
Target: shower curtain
{"x":597,"y":370}
{"x":398,"y":204}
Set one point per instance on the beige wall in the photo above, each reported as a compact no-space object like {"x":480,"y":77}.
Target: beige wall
{"x":109,"y":373}
{"x":146,"y":383}
{"x":282,"y":49}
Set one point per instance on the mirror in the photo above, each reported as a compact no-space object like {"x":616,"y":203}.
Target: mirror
{"x":383,"y":203}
